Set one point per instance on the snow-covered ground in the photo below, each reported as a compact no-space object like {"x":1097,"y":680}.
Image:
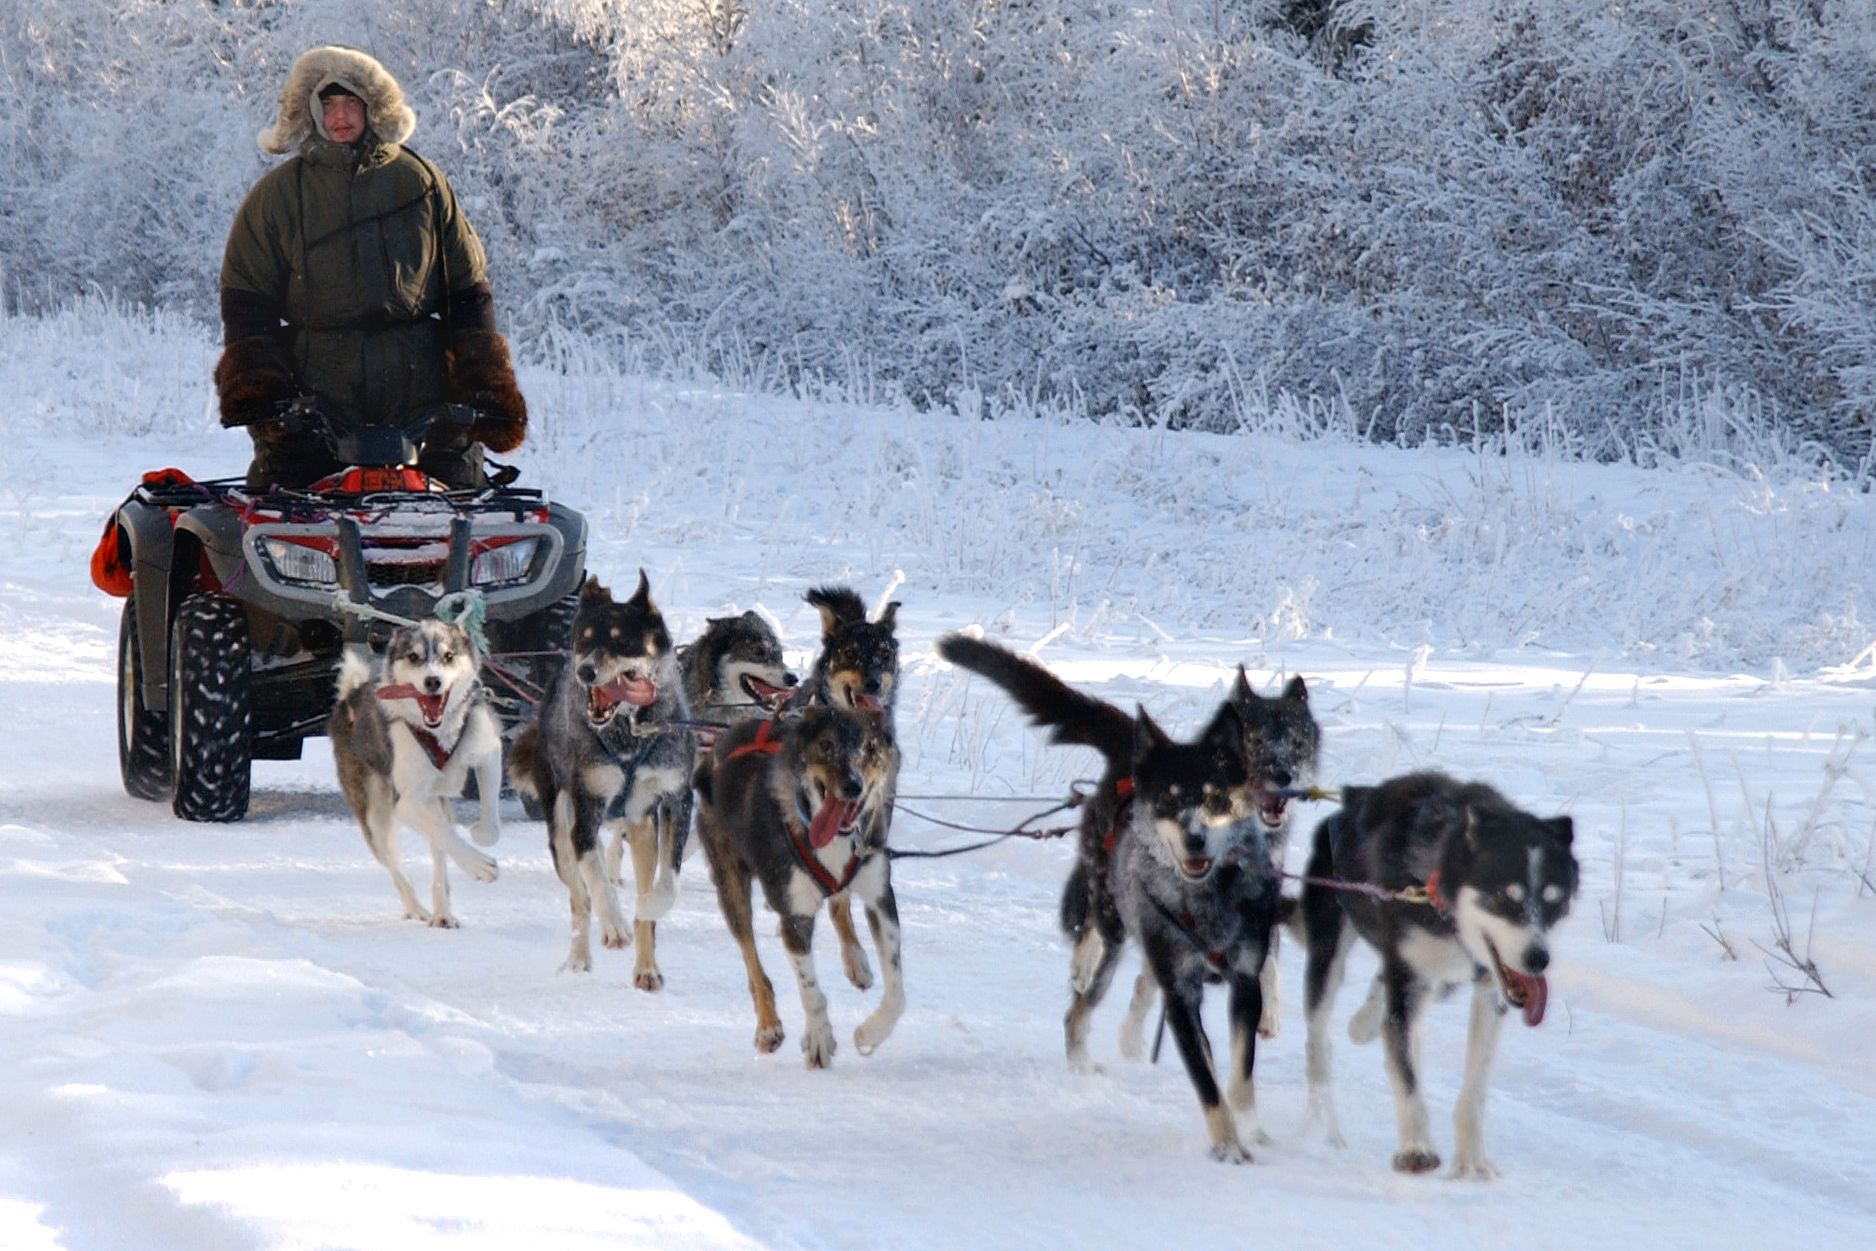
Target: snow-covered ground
{"x":224,"y":1037}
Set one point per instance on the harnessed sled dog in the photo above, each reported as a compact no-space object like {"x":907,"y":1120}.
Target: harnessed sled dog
{"x":604,"y":752}
{"x":1172,"y":856}
{"x":801,"y":805}
{"x":1281,"y":745}
{"x":734,"y":670}
{"x":1496,"y":881}
{"x":407,"y":730}
{"x":857,"y":668}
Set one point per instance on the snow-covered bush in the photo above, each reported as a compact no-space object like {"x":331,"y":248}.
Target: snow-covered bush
{"x":1432,"y":215}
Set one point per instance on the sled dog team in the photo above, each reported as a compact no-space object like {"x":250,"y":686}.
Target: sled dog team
{"x":791,"y":787}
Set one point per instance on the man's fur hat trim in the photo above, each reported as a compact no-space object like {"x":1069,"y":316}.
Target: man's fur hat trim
{"x":391,"y":120}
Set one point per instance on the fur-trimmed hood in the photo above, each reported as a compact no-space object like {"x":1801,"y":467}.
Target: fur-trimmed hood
{"x":387,"y":116}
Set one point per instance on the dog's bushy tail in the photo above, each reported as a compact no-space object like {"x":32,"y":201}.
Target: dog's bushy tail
{"x":1074,"y":718}
{"x":524,"y":756}
{"x":354,"y":671}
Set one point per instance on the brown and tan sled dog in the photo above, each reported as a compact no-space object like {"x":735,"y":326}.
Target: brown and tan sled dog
{"x":802,"y":806}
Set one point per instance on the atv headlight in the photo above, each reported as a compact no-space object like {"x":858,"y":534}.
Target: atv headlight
{"x":498,"y":566}
{"x":306,"y":565}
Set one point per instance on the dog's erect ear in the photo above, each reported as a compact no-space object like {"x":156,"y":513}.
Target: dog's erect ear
{"x":1563,"y":828}
{"x":594,"y":592}
{"x":1297,"y":689}
{"x":1147,"y":736}
{"x":838,"y":606}
{"x":1241,"y":691}
{"x":1471,"y":820}
{"x":1226,"y":731}
{"x":890,"y":617}
{"x":641,"y":598}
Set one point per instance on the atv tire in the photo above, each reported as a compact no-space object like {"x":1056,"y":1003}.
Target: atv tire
{"x":142,"y":733}
{"x":211,"y":744}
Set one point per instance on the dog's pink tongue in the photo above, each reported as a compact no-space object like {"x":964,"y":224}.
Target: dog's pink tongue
{"x":834,"y":816}
{"x":1536,"y":991}
{"x":638,"y":692}
{"x":432,"y":705}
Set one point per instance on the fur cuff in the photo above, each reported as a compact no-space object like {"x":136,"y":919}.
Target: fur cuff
{"x":252,"y":376}
{"x":482,"y":376}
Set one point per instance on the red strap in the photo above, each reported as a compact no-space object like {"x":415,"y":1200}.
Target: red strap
{"x":829,"y":884}
{"x":166,"y":477}
{"x":428,"y":742}
{"x":763,"y":744}
{"x":1123,"y":791}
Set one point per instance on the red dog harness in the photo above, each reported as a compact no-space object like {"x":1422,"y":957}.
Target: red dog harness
{"x":439,"y":755}
{"x":766,"y":744}
{"x":763,"y":744}
{"x":1123,"y":791}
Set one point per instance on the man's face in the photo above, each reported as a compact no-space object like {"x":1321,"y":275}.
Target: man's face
{"x":344,"y":117}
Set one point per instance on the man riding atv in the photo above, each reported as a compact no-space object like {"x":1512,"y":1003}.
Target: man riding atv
{"x":352,"y":277}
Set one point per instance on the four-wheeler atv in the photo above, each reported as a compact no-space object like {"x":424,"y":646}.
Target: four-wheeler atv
{"x":239,"y":601}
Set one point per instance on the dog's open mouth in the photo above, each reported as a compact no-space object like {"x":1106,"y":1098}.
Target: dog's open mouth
{"x":833,"y":817}
{"x":1271,"y":807}
{"x":430,"y":705}
{"x":767,"y":694}
{"x":603,"y":701}
{"x":1195,"y":868}
{"x":1526,"y":992}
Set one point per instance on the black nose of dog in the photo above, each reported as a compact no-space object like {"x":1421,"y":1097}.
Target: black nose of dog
{"x":872,"y":686}
{"x":432,"y":684}
{"x":1536,"y":959}
{"x":1282,"y":777}
{"x":789,"y":679}
{"x":1195,"y":844}
{"x":587,"y":673}
{"x":850,"y":787}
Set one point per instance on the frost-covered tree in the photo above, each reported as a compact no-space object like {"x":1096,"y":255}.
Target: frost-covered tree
{"x":1422,"y":215}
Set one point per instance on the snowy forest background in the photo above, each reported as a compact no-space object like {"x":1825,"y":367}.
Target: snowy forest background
{"x":1643,"y":225}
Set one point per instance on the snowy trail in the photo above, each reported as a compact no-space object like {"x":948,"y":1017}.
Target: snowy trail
{"x":223,"y":1037}
{"x":233,"y":1038}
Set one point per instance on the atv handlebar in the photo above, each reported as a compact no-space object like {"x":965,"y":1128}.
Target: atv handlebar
{"x":370,"y":445}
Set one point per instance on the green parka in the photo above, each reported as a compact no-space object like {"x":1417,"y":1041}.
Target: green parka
{"x":357,"y":247}
{"x":352,"y":276}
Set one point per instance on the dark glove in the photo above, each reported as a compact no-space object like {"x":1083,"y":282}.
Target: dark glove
{"x":482,"y":376}
{"x":252,"y":377}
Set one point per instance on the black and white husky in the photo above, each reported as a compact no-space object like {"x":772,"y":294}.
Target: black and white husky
{"x":1281,"y":745}
{"x":1173,"y":856}
{"x":801,"y":806}
{"x":1497,"y":880}
{"x":734,"y":670}
{"x":407,"y":730}
{"x":605,"y":752}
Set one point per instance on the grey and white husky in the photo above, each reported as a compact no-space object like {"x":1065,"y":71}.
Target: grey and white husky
{"x":1497,"y":880}
{"x":1172,"y":856}
{"x":408,"y":728}
{"x":734,"y":670}
{"x":604,"y":752}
